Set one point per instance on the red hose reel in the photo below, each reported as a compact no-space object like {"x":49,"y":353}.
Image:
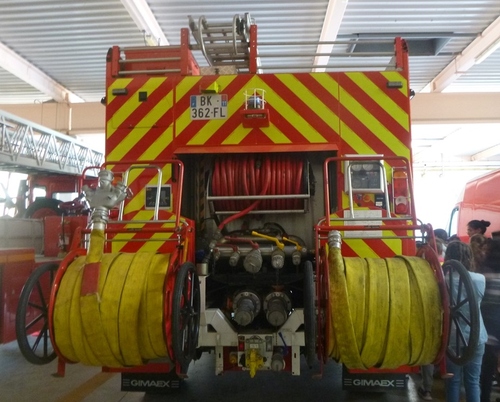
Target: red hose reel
{"x":274,"y":182}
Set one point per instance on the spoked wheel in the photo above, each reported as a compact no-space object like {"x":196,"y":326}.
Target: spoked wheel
{"x":464,"y":313}
{"x":309,"y":314}
{"x":185,"y":315}
{"x":32,"y":316}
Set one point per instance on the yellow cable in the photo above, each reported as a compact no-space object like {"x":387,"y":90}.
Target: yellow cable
{"x":397,"y":350}
{"x":122,"y":324}
{"x":432,"y":312}
{"x":110,"y":302}
{"x":80,"y":344}
{"x":92,"y":324}
{"x":128,"y":316}
{"x":377,"y":312}
{"x":345,"y":338}
{"x":356,"y":269}
{"x":152,"y":331}
{"x":389,"y":309}
{"x":62,"y":308}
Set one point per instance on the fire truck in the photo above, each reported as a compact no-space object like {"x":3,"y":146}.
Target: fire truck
{"x":265,"y":218}
{"x":36,"y":225}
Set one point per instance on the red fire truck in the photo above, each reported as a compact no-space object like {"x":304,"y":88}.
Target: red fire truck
{"x":263,"y":217}
{"x":36,"y":225}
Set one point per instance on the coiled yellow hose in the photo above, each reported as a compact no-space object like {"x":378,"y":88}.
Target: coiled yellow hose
{"x":385,"y":313}
{"x":122,"y":323}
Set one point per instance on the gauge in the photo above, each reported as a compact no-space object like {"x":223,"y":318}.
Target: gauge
{"x":356,"y":167}
{"x":368,"y":166}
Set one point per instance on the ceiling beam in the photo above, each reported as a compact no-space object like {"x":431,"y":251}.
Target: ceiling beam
{"x":145,"y":20}
{"x":486,"y":42}
{"x":29,"y":73}
{"x":452,"y":107}
{"x":491,"y":152}
{"x":331,"y":25}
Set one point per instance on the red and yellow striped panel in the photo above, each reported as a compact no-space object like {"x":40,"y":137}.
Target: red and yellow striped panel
{"x":352,"y":112}
{"x":372,"y":243}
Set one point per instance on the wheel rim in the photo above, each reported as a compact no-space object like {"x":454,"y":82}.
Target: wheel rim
{"x":464,"y":313}
{"x":32,"y":317}
{"x":185,"y":315}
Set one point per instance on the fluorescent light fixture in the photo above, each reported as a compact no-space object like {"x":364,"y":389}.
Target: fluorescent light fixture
{"x":488,"y":51}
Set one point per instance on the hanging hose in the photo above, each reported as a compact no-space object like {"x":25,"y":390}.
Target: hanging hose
{"x":385,"y":313}
{"x":265,"y":186}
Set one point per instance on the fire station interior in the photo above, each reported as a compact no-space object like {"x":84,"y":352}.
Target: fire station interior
{"x":201,"y":202}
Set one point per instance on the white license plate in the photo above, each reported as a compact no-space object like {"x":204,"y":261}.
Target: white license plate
{"x":208,"y":107}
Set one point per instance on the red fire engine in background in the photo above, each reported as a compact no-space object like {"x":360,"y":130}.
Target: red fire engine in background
{"x":262,"y":217}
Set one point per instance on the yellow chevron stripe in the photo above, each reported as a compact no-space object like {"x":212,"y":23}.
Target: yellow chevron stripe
{"x":120,"y":240}
{"x":292,"y":116}
{"x":374,"y":92}
{"x":211,"y":126}
{"x":155,"y":245}
{"x":395,"y":245}
{"x":158,"y":145}
{"x":182,"y":88}
{"x":396,"y":76}
{"x":131,"y":104}
{"x":323,"y":111}
{"x":275,"y":135}
{"x":361,"y":248}
{"x":354,"y":140}
{"x":372,"y":123}
{"x":119,"y":83}
{"x":236,"y":136}
{"x":131,"y":139}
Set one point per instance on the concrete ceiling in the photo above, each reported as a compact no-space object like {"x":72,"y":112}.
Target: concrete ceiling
{"x":55,"y":51}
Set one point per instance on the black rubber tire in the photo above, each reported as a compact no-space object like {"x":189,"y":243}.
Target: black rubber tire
{"x":42,"y":207}
{"x":461,"y":350}
{"x":310,"y":321}
{"x":185,"y":315}
{"x":33,"y":312}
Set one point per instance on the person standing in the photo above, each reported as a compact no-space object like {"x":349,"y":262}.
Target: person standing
{"x":469,"y":372}
{"x":478,"y":244}
{"x":490,"y":310}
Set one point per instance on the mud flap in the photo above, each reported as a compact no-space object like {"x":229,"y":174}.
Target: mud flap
{"x":151,"y":383}
{"x":373,"y":382}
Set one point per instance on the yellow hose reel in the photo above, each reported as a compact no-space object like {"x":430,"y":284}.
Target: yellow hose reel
{"x":384,"y":313}
{"x":122,"y":324}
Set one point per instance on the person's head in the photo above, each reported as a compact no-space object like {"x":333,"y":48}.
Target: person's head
{"x":462,"y":252}
{"x":477,"y":227}
{"x":441,"y":234}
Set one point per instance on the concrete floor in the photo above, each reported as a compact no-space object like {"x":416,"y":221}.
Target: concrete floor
{"x":20,"y":381}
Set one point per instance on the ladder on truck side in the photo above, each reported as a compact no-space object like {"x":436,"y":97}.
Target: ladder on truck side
{"x":27,"y":146}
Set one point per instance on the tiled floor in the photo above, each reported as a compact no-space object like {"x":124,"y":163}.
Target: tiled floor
{"x":21,"y":381}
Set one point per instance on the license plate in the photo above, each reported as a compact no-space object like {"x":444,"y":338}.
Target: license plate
{"x":208,"y":107}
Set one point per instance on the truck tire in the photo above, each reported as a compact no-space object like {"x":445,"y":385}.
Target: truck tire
{"x":43,"y":207}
